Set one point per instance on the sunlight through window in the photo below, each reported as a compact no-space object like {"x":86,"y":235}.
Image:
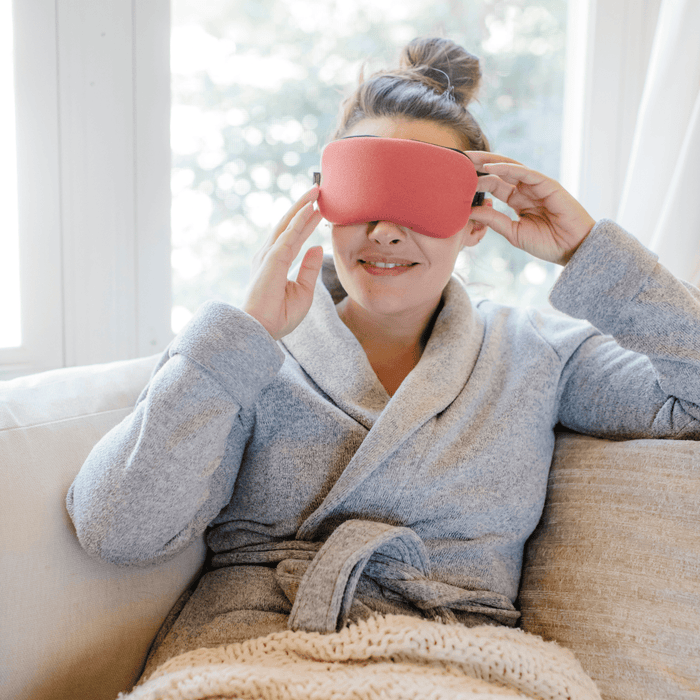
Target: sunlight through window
{"x":256,"y":90}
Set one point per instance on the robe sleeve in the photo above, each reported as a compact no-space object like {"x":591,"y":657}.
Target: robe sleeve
{"x":156,"y":480}
{"x":638,"y":375}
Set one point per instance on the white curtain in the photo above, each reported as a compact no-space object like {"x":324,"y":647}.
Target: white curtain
{"x":660,"y":202}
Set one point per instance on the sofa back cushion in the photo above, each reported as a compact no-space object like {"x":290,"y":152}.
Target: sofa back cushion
{"x":71,"y":626}
{"x":613,"y":570}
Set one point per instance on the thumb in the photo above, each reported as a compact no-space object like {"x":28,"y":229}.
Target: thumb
{"x":482,"y":215}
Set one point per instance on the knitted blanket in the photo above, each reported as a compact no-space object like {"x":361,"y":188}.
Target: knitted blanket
{"x":388,"y":657}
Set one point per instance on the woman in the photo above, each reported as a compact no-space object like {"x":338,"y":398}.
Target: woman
{"x":368,"y":439}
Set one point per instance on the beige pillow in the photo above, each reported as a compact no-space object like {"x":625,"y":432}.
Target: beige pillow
{"x":613,"y":570}
{"x":70,"y":626}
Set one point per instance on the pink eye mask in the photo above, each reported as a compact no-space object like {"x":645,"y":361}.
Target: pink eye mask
{"x":430,"y":189}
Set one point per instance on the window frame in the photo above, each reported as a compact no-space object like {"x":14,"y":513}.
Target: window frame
{"x":93,"y":150}
{"x":36,"y":104}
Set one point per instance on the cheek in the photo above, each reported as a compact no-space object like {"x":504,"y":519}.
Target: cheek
{"x":341,"y":234}
{"x":342,"y":244}
{"x":345,"y":239}
{"x":442,"y":252}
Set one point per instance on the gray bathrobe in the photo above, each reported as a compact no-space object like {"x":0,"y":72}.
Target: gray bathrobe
{"x":326,"y":499}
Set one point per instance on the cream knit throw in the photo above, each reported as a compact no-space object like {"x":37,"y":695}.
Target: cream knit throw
{"x":388,"y":657}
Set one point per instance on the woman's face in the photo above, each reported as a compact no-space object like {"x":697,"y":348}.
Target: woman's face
{"x":424,"y":264}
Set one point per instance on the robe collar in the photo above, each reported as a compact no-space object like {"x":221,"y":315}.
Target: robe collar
{"x":328,"y":352}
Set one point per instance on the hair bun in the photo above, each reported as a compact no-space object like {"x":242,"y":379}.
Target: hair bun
{"x":442,"y":64}
{"x":435,"y":80}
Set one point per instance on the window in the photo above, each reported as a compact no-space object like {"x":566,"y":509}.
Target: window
{"x":256,"y":87}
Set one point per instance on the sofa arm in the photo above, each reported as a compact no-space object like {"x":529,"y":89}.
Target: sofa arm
{"x":72,"y":626}
{"x":613,"y":569}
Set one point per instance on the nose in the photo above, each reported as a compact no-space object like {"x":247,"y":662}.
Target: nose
{"x":385,"y":232}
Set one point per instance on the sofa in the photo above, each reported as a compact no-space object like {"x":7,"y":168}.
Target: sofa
{"x":612,"y":571}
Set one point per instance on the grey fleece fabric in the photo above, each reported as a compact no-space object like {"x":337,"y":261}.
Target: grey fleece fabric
{"x":274,"y":446}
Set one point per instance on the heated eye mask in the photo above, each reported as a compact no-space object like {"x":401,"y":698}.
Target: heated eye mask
{"x":430,"y":189}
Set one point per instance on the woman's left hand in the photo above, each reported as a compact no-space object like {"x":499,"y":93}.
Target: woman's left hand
{"x":552,"y":224}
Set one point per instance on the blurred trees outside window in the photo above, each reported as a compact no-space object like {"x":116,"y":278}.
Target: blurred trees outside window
{"x":256,"y":87}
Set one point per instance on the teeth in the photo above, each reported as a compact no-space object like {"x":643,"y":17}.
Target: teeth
{"x":390,"y":265}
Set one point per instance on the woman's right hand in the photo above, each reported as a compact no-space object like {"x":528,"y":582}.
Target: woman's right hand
{"x":278,"y":303}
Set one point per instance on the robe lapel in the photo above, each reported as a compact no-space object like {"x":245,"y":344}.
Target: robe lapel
{"x":329,"y":353}
{"x":344,"y":373}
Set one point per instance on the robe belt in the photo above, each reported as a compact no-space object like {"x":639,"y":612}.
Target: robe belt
{"x":365,"y":566}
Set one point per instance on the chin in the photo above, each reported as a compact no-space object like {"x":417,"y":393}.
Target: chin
{"x":390,"y":295}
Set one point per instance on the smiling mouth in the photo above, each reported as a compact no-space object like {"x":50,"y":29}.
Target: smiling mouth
{"x":377,"y":268}
{"x":387,"y":265}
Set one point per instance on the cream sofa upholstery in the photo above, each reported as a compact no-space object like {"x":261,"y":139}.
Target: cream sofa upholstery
{"x":612,"y":571}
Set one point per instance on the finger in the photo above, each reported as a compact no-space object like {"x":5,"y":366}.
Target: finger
{"x":310,"y":267}
{"x":276,"y":256}
{"x":494,"y":219}
{"x":496,"y":186}
{"x":482,"y":157}
{"x":515,"y":174}
{"x":291,"y":240}
{"x":309,"y":196}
